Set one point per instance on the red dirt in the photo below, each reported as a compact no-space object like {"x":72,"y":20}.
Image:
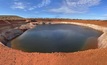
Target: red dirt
{"x":97,"y":22}
{"x":14,"y":57}
{"x":10,"y":56}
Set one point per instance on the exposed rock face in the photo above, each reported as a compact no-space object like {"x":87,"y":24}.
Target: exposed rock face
{"x":27,"y":26}
{"x":8,"y":35}
{"x":103,"y":40}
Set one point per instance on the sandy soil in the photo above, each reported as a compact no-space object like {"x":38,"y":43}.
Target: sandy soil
{"x":14,"y":57}
{"x":10,"y":56}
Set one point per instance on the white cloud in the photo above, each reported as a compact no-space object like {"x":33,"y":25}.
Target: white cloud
{"x":86,"y":3}
{"x":19,"y":5}
{"x":65,"y":9}
{"x":75,"y":6}
{"x":42,"y":4}
{"x":68,"y":6}
{"x":27,"y":6}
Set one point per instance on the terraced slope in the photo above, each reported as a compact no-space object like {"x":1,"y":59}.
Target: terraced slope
{"x":10,"y":21}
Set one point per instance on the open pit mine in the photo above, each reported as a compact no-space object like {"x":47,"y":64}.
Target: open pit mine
{"x":53,"y":42}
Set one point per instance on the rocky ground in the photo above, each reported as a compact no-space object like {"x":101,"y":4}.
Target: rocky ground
{"x":10,"y":56}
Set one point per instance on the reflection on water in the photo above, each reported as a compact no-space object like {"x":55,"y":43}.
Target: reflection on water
{"x":55,"y":38}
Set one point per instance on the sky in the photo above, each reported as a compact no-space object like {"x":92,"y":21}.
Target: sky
{"x":73,"y":9}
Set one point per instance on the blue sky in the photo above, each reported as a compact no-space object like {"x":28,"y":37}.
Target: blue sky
{"x":74,"y":9}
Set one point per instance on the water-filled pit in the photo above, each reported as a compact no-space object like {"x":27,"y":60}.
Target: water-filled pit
{"x":57,"y":38}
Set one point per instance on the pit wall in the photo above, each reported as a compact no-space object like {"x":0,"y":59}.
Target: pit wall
{"x":102,"y":40}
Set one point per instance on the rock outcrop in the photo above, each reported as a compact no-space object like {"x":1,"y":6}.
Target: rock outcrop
{"x":8,"y":35}
{"x":26,"y":26}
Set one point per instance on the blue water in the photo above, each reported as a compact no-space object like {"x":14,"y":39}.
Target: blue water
{"x":54,"y":38}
